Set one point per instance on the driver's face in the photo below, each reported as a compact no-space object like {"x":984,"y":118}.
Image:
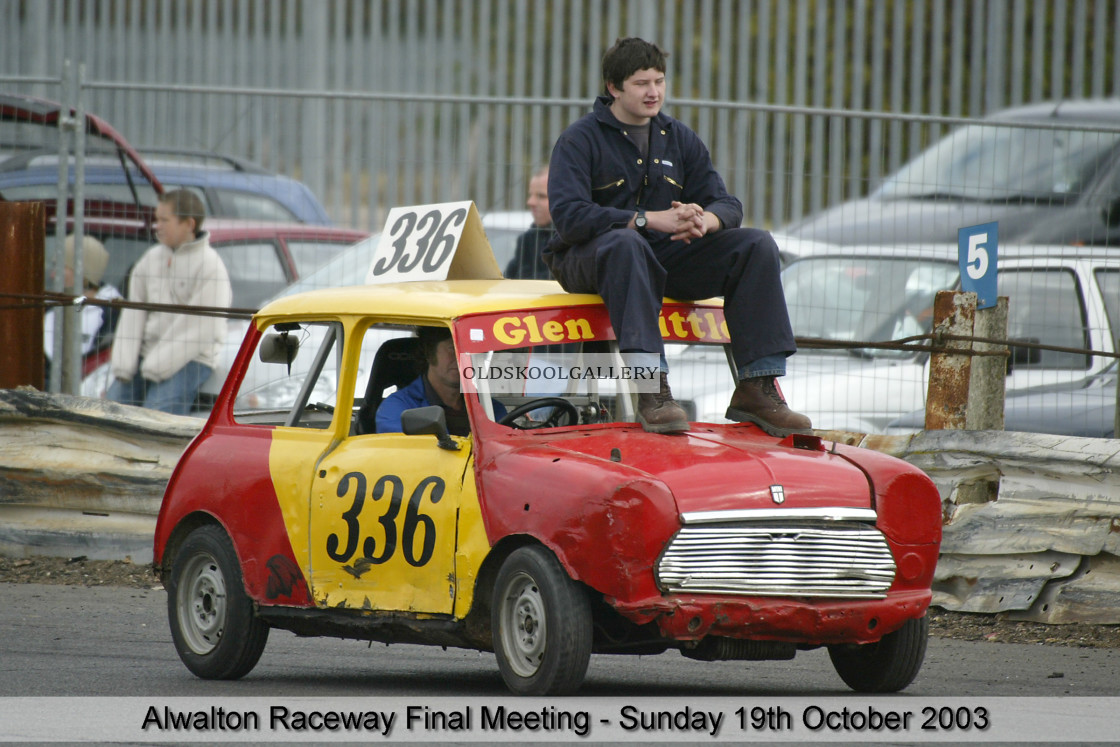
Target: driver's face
{"x":445,"y":367}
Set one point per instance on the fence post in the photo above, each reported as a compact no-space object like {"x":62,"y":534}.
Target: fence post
{"x":954,"y":313}
{"x":23,"y":227}
{"x":988,"y":382}
{"x":967,"y":392}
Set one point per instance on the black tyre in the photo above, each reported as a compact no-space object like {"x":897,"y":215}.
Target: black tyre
{"x":541,"y":622}
{"x":212,"y":622}
{"x":886,"y":666}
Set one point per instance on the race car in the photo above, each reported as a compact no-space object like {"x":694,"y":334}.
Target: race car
{"x":555,"y":528}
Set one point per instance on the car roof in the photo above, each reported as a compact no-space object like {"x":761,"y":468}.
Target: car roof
{"x":435,"y":300}
{"x":19,"y":108}
{"x":518,"y":220}
{"x":228,"y":229}
{"x":1099,"y":110}
{"x":40,"y":167}
{"x":224,"y":229}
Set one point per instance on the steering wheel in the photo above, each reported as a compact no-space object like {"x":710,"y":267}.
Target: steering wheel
{"x":563,"y":408}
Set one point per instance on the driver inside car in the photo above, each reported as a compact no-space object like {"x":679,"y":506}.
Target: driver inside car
{"x":437,"y":384}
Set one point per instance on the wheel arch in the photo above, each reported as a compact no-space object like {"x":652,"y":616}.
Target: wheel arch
{"x":179,"y":534}
{"x":478,"y":618}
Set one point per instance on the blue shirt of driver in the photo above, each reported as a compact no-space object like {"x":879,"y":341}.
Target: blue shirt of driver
{"x":419,"y":394}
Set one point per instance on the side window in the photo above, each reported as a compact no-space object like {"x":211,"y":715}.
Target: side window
{"x":1109,"y":283}
{"x":390,"y":360}
{"x":293,"y":376}
{"x":1047,"y":306}
{"x":254,"y":207}
{"x":256,"y":272}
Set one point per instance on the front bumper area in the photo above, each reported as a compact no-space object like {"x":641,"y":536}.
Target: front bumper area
{"x":684,"y":617}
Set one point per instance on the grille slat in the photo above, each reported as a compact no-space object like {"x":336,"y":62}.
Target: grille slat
{"x":812,"y":558}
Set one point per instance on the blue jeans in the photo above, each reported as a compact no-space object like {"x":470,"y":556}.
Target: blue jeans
{"x":175,"y":395}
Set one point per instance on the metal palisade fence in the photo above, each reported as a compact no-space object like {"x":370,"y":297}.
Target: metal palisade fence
{"x":375,"y":103}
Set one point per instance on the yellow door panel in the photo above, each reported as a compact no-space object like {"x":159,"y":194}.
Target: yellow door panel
{"x":291,"y":462}
{"x":384,"y":516}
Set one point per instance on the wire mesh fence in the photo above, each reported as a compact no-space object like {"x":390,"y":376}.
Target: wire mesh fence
{"x":329,"y":114}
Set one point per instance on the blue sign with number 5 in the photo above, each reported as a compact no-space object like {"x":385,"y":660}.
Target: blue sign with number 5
{"x":977,"y":245}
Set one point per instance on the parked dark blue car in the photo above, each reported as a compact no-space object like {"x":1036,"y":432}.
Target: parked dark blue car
{"x":229,"y":187}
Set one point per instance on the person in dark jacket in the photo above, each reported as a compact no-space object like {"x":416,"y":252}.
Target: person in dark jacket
{"x":527,"y":261}
{"x":642,"y":213}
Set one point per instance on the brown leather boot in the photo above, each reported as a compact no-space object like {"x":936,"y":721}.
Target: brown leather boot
{"x":659,"y":412}
{"x":757,"y":400}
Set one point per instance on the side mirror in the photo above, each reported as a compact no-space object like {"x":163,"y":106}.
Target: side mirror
{"x":278,"y":348}
{"x":428,"y":421}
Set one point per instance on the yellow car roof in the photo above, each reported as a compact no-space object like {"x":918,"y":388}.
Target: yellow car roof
{"x":432,"y":299}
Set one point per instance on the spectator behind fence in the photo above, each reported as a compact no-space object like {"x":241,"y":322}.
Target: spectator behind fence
{"x":97,"y":322}
{"x":527,"y":261}
{"x":161,"y":358}
{"x":642,"y":213}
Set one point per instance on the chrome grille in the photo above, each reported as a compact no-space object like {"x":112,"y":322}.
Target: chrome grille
{"x":791,"y":558}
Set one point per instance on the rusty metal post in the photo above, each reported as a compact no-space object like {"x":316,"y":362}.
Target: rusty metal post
{"x":988,"y":383}
{"x":23,"y":228}
{"x":954,"y":313}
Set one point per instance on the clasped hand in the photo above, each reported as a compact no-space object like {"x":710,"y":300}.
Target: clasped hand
{"x":683,"y":222}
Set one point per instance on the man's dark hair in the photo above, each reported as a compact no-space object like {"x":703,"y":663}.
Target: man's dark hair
{"x":628,"y":56}
{"x":185,"y":204}
{"x":430,"y":338}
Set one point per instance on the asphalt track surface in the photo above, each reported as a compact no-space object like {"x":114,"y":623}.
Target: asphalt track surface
{"x":65,"y":641}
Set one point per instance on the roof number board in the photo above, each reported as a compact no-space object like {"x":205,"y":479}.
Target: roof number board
{"x":432,"y":242}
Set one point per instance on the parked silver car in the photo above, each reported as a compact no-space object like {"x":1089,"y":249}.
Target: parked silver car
{"x":1061,"y":296}
{"x":1049,"y":173}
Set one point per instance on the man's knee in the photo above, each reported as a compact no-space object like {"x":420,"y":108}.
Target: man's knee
{"x":759,"y":247}
{"x":623,"y":250}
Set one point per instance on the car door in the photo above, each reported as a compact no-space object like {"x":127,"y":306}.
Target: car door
{"x":1051,"y":301}
{"x":383,"y":523}
{"x":394,"y":519}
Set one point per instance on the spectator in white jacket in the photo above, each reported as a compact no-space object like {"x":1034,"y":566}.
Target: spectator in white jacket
{"x":161,"y":358}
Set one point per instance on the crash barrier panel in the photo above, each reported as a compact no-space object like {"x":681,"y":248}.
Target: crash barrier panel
{"x":84,"y":477}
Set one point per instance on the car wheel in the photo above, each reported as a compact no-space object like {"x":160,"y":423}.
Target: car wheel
{"x":541,"y":623}
{"x":212,"y":622}
{"x":886,"y":666}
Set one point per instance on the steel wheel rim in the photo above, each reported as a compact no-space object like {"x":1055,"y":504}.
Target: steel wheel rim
{"x":524,"y":629}
{"x":202,"y":604}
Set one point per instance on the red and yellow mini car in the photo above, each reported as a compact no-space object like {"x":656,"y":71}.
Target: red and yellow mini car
{"x":556,"y":528}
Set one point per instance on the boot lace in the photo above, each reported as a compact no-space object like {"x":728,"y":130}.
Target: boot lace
{"x":770,"y":389}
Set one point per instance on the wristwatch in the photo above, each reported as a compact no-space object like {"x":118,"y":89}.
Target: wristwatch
{"x":640,"y":220}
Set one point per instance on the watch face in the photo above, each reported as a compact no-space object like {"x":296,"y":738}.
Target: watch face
{"x":640,"y":221}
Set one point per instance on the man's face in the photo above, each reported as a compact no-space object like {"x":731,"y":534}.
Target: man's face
{"x":445,"y":368}
{"x":171,"y":230}
{"x":538,"y":200}
{"x":640,"y":98}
